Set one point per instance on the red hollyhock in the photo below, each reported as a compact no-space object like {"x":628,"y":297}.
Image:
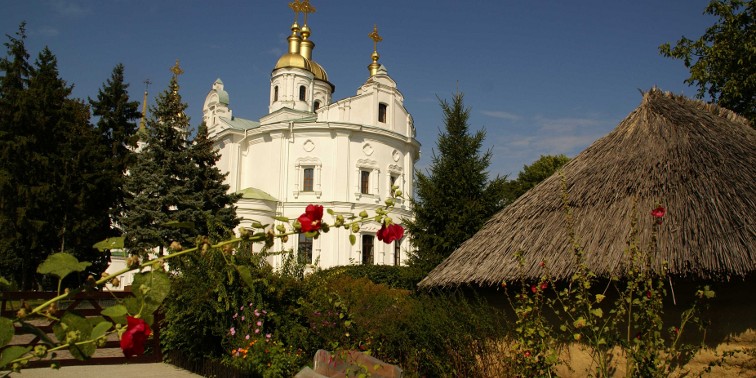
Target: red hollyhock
{"x":132,"y":341}
{"x":389,"y":233}
{"x":658,"y":212}
{"x":310,"y":220}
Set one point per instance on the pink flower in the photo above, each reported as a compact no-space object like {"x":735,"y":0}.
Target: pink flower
{"x":267,"y":336}
{"x":137,"y":332}
{"x":246,"y":337}
{"x":259,"y":323}
{"x":233,"y":331}
{"x":310,"y":220}
{"x":389,"y":233}
{"x":257,"y":330}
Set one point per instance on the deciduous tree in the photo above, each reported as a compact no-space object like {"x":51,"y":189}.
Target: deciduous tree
{"x":722,"y":61}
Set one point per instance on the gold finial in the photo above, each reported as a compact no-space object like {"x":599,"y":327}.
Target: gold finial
{"x":176,"y":69}
{"x":306,"y":8}
{"x":296,"y":6}
{"x":143,"y":122}
{"x":373,"y":67}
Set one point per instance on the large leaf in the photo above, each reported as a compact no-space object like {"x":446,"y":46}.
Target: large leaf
{"x":61,"y":264}
{"x":245,"y":275}
{"x":6,"y":331}
{"x":100,"y":329}
{"x":11,"y":353}
{"x":71,"y":322}
{"x":117,"y":313}
{"x":31,"y":329}
{"x":150,"y":289}
{"x":110,"y":243}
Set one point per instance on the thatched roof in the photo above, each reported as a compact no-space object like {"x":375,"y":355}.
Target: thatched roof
{"x":696,"y":160}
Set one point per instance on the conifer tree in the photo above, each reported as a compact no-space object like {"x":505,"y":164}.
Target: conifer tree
{"x":13,"y":139}
{"x":454,"y":198}
{"x":117,"y":128}
{"x":158,"y":181}
{"x":217,"y":216}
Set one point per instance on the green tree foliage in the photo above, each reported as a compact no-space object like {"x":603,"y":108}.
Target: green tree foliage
{"x":454,"y":198}
{"x":50,"y":178}
{"x":178,"y":192}
{"x":532,"y":175}
{"x":159,"y":179}
{"x":13,"y":140}
{"x":117,"y":128}
{"x":722,"y":62}
{"x":217,"y":215}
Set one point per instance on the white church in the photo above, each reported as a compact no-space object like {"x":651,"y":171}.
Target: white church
{"x":311,"y":149}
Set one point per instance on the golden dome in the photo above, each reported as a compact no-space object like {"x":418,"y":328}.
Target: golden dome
{"x":293,"y":60}
{"x":318,"y":71}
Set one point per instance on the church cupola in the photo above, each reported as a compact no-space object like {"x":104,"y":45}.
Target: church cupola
{"x":297,"y":82}
{"x":216,"y":105}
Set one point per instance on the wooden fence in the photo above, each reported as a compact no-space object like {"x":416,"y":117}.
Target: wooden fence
{"x":86,"y":304}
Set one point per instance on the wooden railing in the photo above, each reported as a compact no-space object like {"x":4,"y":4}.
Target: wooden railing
{"x":86,"y":304}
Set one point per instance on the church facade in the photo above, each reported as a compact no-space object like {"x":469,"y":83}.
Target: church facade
{"x":311,"y":149}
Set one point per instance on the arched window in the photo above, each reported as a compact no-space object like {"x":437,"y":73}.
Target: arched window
{"x":316,"y":105}
{"x":275,"y":93}
{"x":382,"y":112}
{"x":302,"y":92}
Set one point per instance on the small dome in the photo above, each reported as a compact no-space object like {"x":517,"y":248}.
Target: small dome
{"x":293,"y":60}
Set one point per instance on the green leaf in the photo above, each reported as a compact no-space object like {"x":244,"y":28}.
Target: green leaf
{"x":117,"y":313}
{"x":71,"y":322}
{"x":597,"y":312}
{"x":6,"y":331}
{"x":30,"y":329}
{"x":61,"y":264}
{"x":109,"y":243}
{"x":12,"y":353}
{"x":150,"y":289}
{"x":100,"y":329}
{"x":330,"y":211}
{"x":4,"y":283}
{"x":281,"y":219}
{"x":245,"y":275}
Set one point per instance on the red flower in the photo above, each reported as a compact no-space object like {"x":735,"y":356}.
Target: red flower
{"x":390,"y":233}
{"x":310,"y":220}
{"x":544,"y":285}
{"x":534,"y":289}
{"x":659,"y":212}
{"x":527,"y":353}
{"x":132,"y":341}
{"x":648,"y":294}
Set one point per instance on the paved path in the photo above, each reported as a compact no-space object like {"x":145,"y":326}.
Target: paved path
{"x":118,"y":371}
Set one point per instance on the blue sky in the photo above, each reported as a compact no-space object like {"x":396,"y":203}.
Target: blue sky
{"x":542,"y":77}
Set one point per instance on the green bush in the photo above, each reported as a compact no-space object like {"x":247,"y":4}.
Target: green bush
{"x":400,"y":277}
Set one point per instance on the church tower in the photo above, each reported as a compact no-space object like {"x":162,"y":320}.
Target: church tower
{"x":297,"y":81}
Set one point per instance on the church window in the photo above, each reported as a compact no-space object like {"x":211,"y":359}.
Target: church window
{"x":308,"y":179}
{"x":317,"y":105}
{"x":365,"y":182}
{"x":398,"y":252}
{"x":302,"y":93}
{"x":392,"y":182}
{"x":382,"y":112}
{"x":275,"y":93}
{"x":367,"y":249}
{"x":304,"y":249}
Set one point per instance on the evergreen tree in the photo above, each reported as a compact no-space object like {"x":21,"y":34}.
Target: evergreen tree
{"x":13,"y":139}
{"x":455,"y":198}
{"x":159,"y":180}
{"x":217,"y":217}
{"x":117,"y":127}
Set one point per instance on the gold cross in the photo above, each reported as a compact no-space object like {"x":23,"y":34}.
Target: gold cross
{"x":375,"y":37}
{"x":176,"y":69}
{"x":306,"y":8}
{"x":296,"y":6}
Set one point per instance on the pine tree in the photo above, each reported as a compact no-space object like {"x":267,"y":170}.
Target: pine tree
{"x":455,"y":198}
{"x":217,"y":217}
{"x":117,"y":128}
{"x":13,"y":139}
{"x":159,"y":180}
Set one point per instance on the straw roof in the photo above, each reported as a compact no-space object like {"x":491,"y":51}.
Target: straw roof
{"x":695,"y":159}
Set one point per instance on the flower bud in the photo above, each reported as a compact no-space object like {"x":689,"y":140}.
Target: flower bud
{"x":389,"y":201}
{"x":397,"y":193}
{"x":132,"y":262}
{"x":285,"y":238}
{"x":115,"y":282}
{"x":355,"y":227}
{"x":363,"y":214}
{"x":176,"y":246}
{"x":40,"y":351}
{"x":281,"y":229}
